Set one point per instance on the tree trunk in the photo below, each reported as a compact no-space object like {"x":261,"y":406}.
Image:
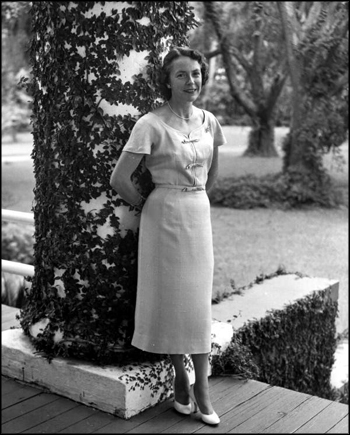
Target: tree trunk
{"x":294,"y":148}
{"x":213,"y":14}
{"x":94,"y":72}
{"x":262,"y":136}
{"x":212,"y":69}
{"x":261,"y":141}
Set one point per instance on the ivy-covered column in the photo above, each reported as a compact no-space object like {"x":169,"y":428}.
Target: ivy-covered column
{"x":94,"y":67}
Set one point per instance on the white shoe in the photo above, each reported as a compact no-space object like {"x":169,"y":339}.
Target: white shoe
{"x":183,"y":409}
{"x":212,"y":418}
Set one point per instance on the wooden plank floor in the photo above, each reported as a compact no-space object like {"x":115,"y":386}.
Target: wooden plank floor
{"x":244,"y":407}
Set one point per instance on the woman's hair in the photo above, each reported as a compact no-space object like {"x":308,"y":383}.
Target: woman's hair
{"x":173,"y":54}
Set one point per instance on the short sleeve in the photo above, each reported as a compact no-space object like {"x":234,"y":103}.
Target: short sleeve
{"x":218,"y":134}
{"x":141,"y":137}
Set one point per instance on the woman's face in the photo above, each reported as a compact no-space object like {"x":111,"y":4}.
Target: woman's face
{"x":185,"y":79}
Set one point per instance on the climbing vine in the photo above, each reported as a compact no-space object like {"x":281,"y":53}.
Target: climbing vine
{"x":85,"y":283}
{"x":157,"y":377}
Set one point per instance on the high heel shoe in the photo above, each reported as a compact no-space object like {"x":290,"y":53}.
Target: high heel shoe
{"x":212,"y":418}
{"x":183,"y":409}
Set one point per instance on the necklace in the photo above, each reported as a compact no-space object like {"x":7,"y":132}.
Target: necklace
{"x":179,"y":115}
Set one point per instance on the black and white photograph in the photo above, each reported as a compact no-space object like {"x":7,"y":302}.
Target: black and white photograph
{"x":175,"y":217}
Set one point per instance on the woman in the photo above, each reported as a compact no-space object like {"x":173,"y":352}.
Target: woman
{"x":175,"y":263}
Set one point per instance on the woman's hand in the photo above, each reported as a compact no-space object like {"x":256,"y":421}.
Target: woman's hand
{"x":214,"y":170}
{"x":121,"y":178}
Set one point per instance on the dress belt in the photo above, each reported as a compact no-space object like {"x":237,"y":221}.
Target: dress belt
{"x":180,"y":187}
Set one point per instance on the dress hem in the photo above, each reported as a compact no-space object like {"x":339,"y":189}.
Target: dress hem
{"x":172,"y":352}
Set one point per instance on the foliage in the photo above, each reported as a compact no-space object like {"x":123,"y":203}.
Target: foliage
{"x":291,"y":348}
{"x":220,"y":102}
{"x":75,"y":66}
{"x":249,"y":39}
{"x":342,"y":394}
{"x":10,"y":11}
{"x":15,"y":101}
{"x":13,"y":289}
{"x":222,"y":105}
{"x":237,"y":359}
{"x":17,"y":243}
{"x":322,"y":109}
{"x":150,"y":376}
{"x":282,"y":190}
{"x":157,"y":377}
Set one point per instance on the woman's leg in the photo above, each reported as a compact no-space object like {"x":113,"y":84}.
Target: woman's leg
{"x":182,"y":383}
{"x":201,"y":386}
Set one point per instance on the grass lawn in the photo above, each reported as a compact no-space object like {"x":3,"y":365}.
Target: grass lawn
{"x":247,"y":242}
{"x":250,"y":242}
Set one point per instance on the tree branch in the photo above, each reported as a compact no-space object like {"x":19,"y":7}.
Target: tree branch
{"x":255,"y":70}
{"x":311,"y":18}
{"x":213,"y":53}
{"x":241,"y":59}
{"x":227,"y":51}
{"x":275,"y":90}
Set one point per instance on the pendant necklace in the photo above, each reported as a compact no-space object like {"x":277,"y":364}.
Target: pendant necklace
{"x":186,"y":119}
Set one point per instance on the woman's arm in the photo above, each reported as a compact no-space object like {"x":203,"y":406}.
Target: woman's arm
{"x":121,"y":177}
{"x":214,"y":169}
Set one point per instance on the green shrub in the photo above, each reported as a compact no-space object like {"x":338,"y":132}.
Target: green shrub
{"x":342,"y":394}
{"x":236,"y":360}
{"x":280,"y":190}
{"x":292,"y":348}
{"x":17,"y":243}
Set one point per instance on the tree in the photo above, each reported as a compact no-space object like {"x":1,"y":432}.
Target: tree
{"x":203,"y":39}
{"x":94,"y":67}
{"x":15,"y":32}
{"x":316,"y":40}
{"x":249,"y":42}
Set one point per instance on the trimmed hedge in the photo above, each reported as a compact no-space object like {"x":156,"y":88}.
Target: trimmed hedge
{"x":279,"y":190}
{"x":292,"y":348}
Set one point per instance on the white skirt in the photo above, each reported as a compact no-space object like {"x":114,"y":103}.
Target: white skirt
{"x":175,"y":273}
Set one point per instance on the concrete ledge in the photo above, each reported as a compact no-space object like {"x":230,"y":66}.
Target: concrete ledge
{"x":271,"y":294}
{"x":107,"y":388}
{"x":122,"y":391}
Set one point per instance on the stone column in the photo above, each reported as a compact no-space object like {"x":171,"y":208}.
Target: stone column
{"x":94,"y":73}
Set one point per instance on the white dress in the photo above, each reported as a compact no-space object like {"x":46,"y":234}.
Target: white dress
{"x":175,"y":255}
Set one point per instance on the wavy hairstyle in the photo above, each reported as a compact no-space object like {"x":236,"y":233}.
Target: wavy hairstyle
{"x":174,"y":53}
